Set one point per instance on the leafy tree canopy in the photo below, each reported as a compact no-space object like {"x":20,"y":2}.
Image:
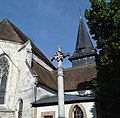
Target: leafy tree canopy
{"x":104,"y":23}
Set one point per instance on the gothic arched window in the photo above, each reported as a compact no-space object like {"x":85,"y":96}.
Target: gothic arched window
{"x":4,"y":70}
{"x":78,"y":112}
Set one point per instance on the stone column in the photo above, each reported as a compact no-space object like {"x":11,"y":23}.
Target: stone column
{"x":61,"y":107}
{"x":59,"y":56}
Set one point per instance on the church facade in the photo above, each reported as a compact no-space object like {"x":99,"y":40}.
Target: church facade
{"x":28,"y":80}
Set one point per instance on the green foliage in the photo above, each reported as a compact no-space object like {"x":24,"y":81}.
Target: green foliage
{"x":104,"y":23}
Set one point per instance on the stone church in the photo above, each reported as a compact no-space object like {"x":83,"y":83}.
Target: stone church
{"x":28,"y":80}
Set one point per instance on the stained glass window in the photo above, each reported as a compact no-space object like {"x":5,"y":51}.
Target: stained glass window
{"x":4,"y":70}
{"x":78,"y":112}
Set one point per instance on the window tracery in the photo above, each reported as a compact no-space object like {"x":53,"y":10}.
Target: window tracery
{"x":4,"y":70}
{"x":78,"y":112}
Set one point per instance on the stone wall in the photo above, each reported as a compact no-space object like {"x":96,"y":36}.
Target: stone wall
{"x":6,"y":114}
{"x":20,"y":81}
{"x":88,"y":109}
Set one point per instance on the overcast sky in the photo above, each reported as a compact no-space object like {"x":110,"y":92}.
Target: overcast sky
{"x":48,"y":23}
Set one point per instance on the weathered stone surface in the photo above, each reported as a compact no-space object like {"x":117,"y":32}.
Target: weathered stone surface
{"x":20,"y":82}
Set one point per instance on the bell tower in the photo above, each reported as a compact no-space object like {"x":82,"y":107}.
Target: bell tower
{"x":84,"y":51}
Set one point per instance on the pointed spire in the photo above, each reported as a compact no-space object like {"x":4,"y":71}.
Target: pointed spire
{"x":84,"y":46}
{"x":83,"y":39}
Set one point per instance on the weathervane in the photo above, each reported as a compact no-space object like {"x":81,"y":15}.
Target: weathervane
{"x":59,"y":56}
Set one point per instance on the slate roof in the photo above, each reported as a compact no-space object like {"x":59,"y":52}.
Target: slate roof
{"x":75,"y":78}
{"x":45,"y":77}
{"x":69,"y":99}
{"x":84,"y":46}
{"x":80,"y":77}
{"x":10,"y":32}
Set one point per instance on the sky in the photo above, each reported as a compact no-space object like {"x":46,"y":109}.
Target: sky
{"x":48,"y":23}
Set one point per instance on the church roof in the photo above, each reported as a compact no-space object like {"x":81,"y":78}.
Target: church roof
{"x":75,"y":78}
{"x":69,"y":99}
{"x":45,"y":77}
{"x":79,"y":77}
{"x":84,"y":45}
{"x":9,"y":32}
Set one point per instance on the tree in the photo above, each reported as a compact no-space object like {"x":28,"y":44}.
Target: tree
{"x":104,"y":23}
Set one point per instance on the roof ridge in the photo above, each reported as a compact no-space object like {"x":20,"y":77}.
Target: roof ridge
{"x":11,"y":29}
{"x":4,"y":20}
{"x":24,"y":37}
{"x":76,"y":67}
{"x":42,"y":66}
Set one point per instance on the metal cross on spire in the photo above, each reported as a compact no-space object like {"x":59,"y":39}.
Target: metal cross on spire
{"x":59,"y":56}
{"x":80,"y":10}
